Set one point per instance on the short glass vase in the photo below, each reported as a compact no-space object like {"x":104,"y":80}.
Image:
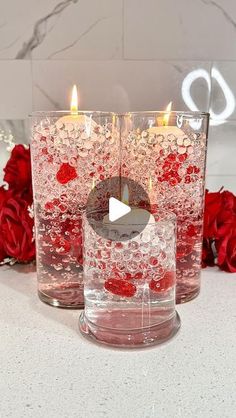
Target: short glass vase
{"x":129,"y":284}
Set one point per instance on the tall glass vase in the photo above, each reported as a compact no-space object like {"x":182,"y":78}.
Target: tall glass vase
{"x":166,"y":154}
{"x":70,"y":154}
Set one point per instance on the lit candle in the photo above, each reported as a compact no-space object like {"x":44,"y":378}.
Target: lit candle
{"x":183,"y":143}
{"x":77,"y":128}
{"x":74,"y":120}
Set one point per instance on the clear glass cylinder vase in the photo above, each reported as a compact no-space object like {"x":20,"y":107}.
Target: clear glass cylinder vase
{"x":70,"y":153}
{"x":129,"y":285}
{"x":166,"y":153}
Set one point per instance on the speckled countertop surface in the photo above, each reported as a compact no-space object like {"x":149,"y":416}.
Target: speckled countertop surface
{"x":49,"y":370}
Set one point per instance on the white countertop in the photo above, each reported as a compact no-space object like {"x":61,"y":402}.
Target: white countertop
{"x":49,"y":370}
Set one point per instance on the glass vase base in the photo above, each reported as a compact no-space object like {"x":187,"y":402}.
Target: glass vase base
{"x":69,"y":297}
{"x":186,"y":295}
{"x":130,"y":338}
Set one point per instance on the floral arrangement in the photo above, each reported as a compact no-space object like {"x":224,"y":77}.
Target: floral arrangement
{"x":17,"y":223}
{"x":16,"y":211}
{"x":219,"y":235}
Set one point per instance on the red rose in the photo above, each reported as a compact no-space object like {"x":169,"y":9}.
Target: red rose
{"x":3,"y":193}
{"x":16,"y":226}
{"x":18,"y":169}
{"x":227,"y":215}
{"x":213,"y":204}
{"x":226,"y":248}
{"x":220,"y":230}
{"x":208,"y":258}
{"x":220,"y":209}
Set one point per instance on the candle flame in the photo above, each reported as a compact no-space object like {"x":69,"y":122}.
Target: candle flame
{"x":166,"y":116}
{"x":74,"y":101}
{"x":125,"y":195}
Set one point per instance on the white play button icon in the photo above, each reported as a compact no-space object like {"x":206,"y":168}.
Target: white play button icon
{"x":117,"y":209}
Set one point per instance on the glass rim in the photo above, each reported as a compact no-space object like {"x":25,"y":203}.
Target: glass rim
{"x":55,"y":113}
{"x":38,"y":113}
{"x":167,"y":112}
{"x":168,"y":217}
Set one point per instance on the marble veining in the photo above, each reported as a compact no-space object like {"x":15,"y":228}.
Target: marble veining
{"x":41,"y":29}
{"x":77,"y":39}
{"x":222,"y":9}
{"x":55,"y":104}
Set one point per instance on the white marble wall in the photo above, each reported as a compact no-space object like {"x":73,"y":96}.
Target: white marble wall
{"x":124,"y":55}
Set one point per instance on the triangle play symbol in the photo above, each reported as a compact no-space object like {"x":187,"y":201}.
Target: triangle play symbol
{"x":117,"y":209}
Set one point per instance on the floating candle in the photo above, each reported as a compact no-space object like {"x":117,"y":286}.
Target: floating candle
{"x":180,"y":142}
{"x":75,"y":120}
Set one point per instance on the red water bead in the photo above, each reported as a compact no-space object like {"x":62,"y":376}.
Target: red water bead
{"x":119,"y":245}
{"x":182,"y":157}
{"x":128,"y":276}
{"x":99,"y":255}
{"x":63,"y":208}
{"x":66,"y":173}
{"x":138,"y":276}
{"x":56,"y":202}
{"x":163,"y":284}
{"x":171,"y":157}
{"x":183,"y":249}
{"x":187,"y":179}
{"x":100,"y":169}
{"x":190,"y":169}
{"x":196,"y":169}
{"x":49,"y":206}
{"x":191,"y":230}
{"x":173,"y":181}
{"x":61,"y":244}
{"x":153,"y":261}
{"x":45,"y":151}
{"x":175,"y":166}
{"x":166,"y":167}
{"x":167,"y":176}
{"x":120,"y":287}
